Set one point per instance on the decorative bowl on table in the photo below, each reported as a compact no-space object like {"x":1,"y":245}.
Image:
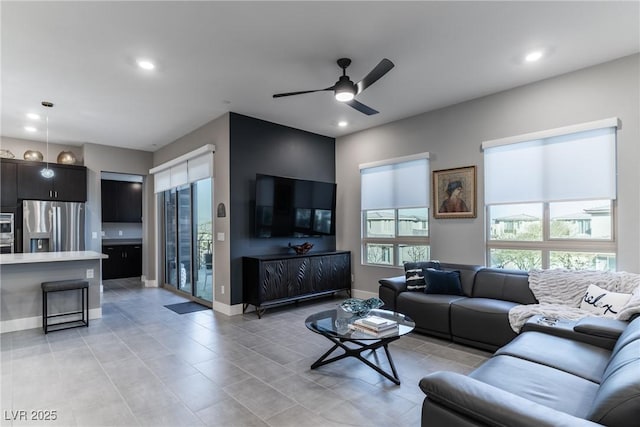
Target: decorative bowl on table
{"x":361,"y":307}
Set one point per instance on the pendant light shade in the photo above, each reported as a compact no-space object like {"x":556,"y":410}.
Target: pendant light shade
{"x":47,"y":172}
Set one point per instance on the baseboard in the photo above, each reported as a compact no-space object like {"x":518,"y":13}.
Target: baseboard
{"x":229,"y":310}
{"x":36,"y":322}
{"x":150,"y":283}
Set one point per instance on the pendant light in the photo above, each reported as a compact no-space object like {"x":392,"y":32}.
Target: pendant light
{"x":47,"y":172}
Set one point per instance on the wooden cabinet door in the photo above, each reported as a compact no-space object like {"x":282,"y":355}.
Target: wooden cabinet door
{"x":130,"y":202}
{"x":132,"y":260}
{"x":109,"y":201}
{"x":31,"y":185}
{"x":111,"y":266}
{"x":70,"y":184}
{"x":8,"y":180}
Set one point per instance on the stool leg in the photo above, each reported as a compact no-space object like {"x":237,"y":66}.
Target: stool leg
{"x":44,"y":311}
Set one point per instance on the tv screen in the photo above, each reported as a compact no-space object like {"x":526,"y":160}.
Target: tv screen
{"x":287,"y":207}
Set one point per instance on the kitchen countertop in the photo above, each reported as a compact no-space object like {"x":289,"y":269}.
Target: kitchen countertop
{"x":40,"y":257}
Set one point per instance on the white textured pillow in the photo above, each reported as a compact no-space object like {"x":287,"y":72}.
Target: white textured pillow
{"x":602,"y":302}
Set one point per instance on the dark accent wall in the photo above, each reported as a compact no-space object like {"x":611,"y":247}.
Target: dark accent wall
{"x":257,"y":146}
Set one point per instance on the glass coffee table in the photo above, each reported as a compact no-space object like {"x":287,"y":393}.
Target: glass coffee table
{"x":334,"y":326}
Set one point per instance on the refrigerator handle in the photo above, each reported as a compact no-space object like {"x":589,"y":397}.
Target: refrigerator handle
{"x":56,"y":230}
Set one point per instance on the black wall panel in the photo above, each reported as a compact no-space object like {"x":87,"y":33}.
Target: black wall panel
{"x":257,"y":146}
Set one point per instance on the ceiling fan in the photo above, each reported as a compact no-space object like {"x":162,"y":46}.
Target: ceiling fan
{"x":345,"y":90}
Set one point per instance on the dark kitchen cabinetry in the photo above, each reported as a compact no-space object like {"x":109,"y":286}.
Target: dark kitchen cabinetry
{"x":69,"y":183}
{"x":8,"y":182}
{"x":270,"y":280}
{"x":123,"y":261}
{"x":121,"y":201}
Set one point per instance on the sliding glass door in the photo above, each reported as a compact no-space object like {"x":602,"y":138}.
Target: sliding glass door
{"x":188,"y":243}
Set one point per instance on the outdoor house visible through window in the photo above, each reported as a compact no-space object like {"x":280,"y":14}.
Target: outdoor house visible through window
{"x":395,"y":210}
{"x":550,"y":198}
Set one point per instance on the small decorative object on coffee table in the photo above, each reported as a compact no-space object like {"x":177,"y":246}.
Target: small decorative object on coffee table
{"x":361,"y":307}
{"x":301,"y":249}
{"x":381,"y":329}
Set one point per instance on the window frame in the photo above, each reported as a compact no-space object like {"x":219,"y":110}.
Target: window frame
{"x":396,"y":241}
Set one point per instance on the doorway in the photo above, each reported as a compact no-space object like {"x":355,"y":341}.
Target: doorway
{"x":188,"y":240}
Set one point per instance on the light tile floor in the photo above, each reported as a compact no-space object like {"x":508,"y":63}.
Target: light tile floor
{"x":143,"y":364}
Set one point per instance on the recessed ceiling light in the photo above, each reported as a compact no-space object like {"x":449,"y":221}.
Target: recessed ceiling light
{"x":533,"y":56}
{"x":146,"y":64}
{"x":33,"y":116}
{"x":342,"y":123}
{"x":30,"y":129}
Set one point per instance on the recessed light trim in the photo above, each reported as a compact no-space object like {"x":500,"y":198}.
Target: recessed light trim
{"x":33,"y":116}
{"x":343,"y":123}
{"x":533,"y":56}
{"x":30,"y":129}
{"x":145,"y":64}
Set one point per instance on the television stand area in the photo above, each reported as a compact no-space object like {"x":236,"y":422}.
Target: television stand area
{"x":272,"y":280}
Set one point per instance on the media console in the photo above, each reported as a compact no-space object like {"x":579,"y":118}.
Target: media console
{"x":279,"y":279}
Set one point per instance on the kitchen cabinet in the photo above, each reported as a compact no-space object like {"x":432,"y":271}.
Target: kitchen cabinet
{"x":121,"y":201}
{"x":277,"y":279}
{"x":123,"y":261}
{"x":8,"y":182}
{"x":69,"y":183}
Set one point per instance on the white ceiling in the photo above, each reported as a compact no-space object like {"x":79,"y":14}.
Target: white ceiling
{"x":214,"y":57}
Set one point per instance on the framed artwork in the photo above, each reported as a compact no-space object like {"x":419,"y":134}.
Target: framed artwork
{"x":454,"y":193}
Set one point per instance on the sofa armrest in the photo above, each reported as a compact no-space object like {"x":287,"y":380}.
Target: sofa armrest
{"x":396,"y":284}
{"x":601,"y":327}
{"x":491,"y":405}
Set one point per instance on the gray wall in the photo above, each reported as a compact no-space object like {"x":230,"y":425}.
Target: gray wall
{"x":263,"y":147}
{"x":453,"y":136}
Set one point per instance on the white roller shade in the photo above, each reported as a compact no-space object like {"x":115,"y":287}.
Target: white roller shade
{"x":398,"y":185}
{"x":576,"y":166}
{"x":200,"y":167}
{"x":162,"y":181}
{"x":179,"y":175}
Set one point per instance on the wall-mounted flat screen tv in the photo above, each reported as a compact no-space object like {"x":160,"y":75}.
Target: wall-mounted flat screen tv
{"x":287,"y":207}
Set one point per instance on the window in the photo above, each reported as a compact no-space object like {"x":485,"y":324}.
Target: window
{"x":550,"y":198}
{"x":395,"y":210}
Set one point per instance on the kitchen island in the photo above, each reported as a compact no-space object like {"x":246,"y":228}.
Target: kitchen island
{"x":21,"y":275}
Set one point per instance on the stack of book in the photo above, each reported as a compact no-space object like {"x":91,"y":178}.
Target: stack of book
{"x":375,"y":325}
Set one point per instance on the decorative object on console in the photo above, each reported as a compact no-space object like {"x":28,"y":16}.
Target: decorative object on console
{"x":66,"y":158}
{"x":6,"y":154}
{"x":603,"y":302}
{"x":33,"y":156}
{"x":301,"y":249}
{"x":454,"y":193}
{"x":361,"y":307}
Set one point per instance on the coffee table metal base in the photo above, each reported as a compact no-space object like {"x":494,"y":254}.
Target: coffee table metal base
{"x":356,"y":352}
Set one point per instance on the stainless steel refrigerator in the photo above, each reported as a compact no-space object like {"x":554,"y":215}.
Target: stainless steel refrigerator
{"x":52,"y":226}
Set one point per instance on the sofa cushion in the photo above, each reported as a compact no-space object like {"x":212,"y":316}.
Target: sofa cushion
{"x":482,"y":320}
{"x":430,"y":312}
{"x":575,"y":357}
{"x":539,"y":383}
{"x":414,"y":274}
{"x":467,"y":275}
{"x":603,"y":302}
{"x":617,"y":402}
{"x":506,"y":285}
{"x":442,"y":282}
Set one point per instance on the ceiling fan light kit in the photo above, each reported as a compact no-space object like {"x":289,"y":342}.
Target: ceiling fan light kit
{"x":345,"y":90}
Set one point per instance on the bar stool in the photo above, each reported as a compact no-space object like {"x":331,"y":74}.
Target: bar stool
{"x":60,"y":286}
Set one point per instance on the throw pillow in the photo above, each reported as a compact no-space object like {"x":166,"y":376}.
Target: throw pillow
{"x":442,"y":282}
{"x":602,"y":302}
{"x":414,"y":276}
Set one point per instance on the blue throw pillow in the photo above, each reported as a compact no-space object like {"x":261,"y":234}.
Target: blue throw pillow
{"x":414,"y":276}
{"x":442,"y":282}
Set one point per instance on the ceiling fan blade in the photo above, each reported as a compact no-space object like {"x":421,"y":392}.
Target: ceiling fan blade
{"x":380,"y":70}
{"x":361,"y":107}
{"x":280,"y":95}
